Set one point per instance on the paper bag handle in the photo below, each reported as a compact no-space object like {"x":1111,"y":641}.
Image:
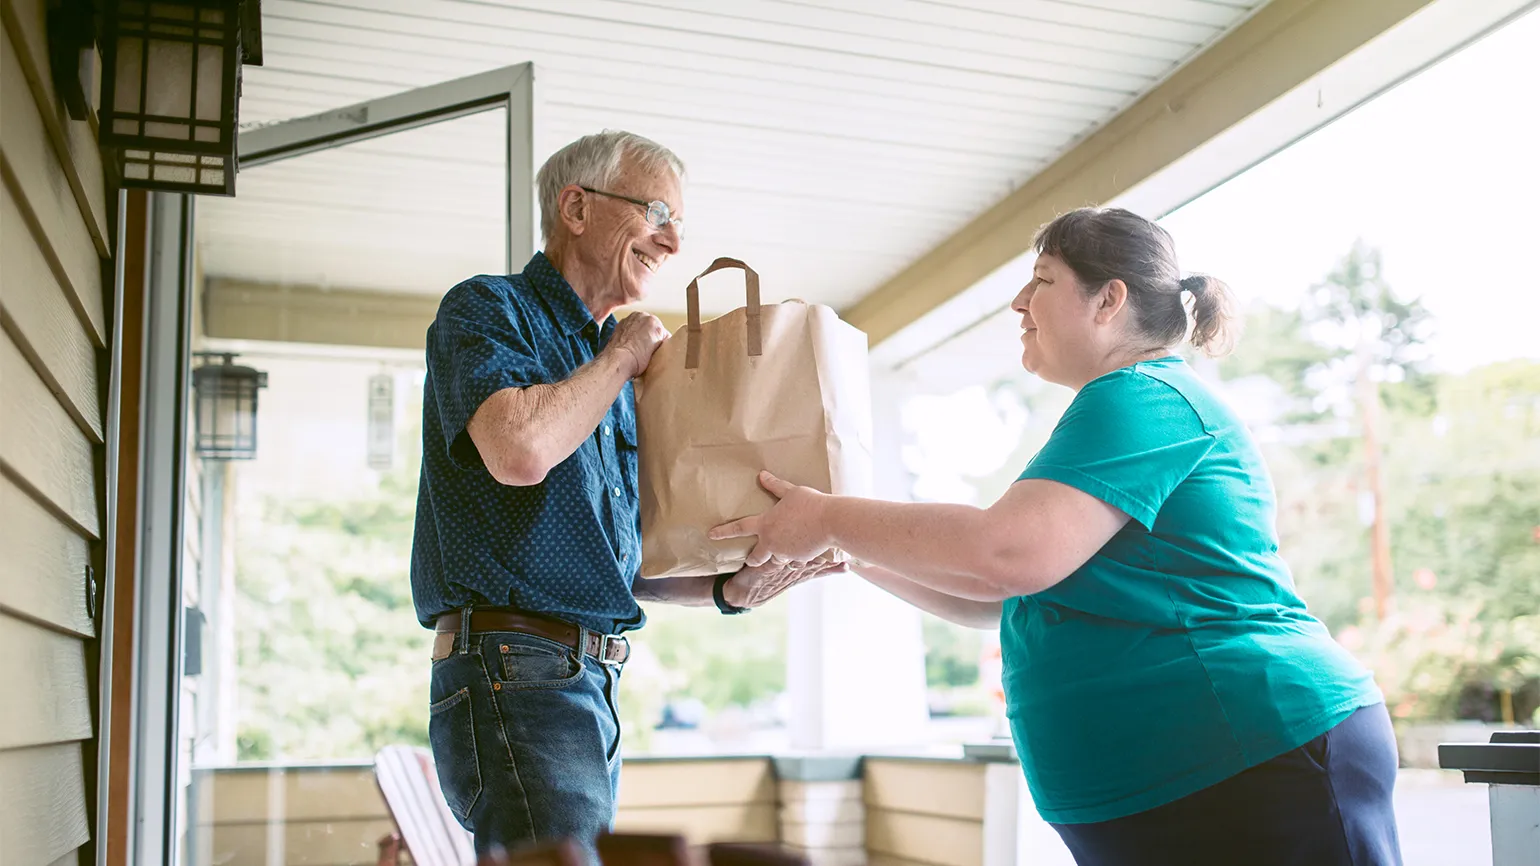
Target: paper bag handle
{"x":692,"y":338}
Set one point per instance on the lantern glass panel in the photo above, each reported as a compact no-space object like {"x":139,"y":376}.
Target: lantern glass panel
{"x":210,"y":102}
{"x":126,"y":85}
{"x":168,"y":91}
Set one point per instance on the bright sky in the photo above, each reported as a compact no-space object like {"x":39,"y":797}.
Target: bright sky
{"x":1441,"y":173}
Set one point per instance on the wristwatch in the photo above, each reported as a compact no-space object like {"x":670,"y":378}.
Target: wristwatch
{"x":721,"y":600}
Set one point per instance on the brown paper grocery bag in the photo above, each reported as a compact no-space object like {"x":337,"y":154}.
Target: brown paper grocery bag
{"x":784,"y":387}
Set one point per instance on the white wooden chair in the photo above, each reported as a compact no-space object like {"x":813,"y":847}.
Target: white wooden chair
{"x":425,"y":828}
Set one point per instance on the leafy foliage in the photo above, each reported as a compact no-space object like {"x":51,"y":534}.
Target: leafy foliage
{"x":1461,"y":457}
{"x":332,"y":662}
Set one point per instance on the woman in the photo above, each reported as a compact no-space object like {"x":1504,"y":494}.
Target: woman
{"x":1171,"y":699}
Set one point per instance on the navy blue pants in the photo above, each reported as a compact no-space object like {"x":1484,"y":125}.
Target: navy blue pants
{"x":1326,"y":803}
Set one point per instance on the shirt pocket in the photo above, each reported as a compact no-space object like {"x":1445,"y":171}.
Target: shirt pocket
{"x":625,"y":449}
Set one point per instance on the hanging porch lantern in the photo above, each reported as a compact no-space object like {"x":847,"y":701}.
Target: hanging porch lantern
{"x":226,"y":416}
{"x":171,"y":87}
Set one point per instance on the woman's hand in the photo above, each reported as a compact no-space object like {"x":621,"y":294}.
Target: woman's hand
{"x":793,"y":529}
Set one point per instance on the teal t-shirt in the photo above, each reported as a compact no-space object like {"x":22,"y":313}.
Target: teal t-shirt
{"x":1180,"y":654}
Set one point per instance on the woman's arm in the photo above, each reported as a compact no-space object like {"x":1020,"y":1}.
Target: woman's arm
{"x":962,"y":611}
{"x":1035,"y":536}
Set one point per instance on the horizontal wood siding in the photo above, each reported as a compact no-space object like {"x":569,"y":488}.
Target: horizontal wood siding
{"x":43,"y":184}
{"x":42,"y":803}
{"x":53,"y":330}
{"x":43,"y":675}
{"x":42,"y":574}
{"x":35,"y":309}
{"x":41,"y":448}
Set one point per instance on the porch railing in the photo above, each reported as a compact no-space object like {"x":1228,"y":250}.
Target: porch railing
{"x":841,"y":811}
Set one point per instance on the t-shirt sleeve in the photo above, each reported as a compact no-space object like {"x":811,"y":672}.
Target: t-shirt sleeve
{"x":476,"y":347}
{"x":1126,"y":439}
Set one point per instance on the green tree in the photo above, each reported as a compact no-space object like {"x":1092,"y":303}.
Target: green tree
{"x":1352,"y":342}
{"x":1375,"y":338}
{"x":1468,"y":642}
{"x":1472,"y":472}
{"x":1457,"y":507}
{"x":331,"y":658}
{"x":1465,"y":509}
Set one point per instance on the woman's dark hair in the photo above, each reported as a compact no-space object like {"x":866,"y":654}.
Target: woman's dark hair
{"x":1105,"y":244}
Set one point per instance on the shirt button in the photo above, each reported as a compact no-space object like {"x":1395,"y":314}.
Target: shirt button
{"x":617,"y":491}
{"x":606,"y":429}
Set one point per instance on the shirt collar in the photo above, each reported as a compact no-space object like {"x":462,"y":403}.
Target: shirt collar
{"x":559,"y":297}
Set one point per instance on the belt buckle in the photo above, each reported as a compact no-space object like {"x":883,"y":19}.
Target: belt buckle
{"x":604,"y":649}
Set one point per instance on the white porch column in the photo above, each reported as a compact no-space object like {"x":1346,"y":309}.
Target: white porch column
{"x":856,"y":658}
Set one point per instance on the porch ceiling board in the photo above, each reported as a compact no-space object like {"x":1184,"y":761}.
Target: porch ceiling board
{"x":829,"y":144}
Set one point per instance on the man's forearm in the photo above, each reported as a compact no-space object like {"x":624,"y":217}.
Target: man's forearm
{"x":684,"y":591}
{"x":523,"y":432}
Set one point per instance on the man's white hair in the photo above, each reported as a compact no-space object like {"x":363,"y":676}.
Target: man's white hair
{"x":594,"y":161}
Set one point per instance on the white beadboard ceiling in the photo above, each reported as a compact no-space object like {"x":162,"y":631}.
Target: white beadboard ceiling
{"x":829,"y":143}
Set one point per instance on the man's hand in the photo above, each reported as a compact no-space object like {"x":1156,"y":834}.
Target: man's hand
{"x":754,"y":585}
{"x":521,"y":433}
{"x":635,"y":340}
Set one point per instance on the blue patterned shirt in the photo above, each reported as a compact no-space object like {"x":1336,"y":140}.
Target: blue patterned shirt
{"x":568,"y":547}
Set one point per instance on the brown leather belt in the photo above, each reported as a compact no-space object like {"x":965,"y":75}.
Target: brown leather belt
{"x":609,"y":649}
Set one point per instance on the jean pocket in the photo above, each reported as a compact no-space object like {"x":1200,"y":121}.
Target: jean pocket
{"x":452,"y":732}
{"x":529,"y":662}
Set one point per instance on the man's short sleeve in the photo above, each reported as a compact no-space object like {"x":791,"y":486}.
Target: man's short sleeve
{"x":1127,"y":439}
{"x":476,"y":347}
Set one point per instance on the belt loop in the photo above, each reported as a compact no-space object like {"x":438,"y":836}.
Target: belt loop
{"x":465,"y":629}
{"x":582,"y":643}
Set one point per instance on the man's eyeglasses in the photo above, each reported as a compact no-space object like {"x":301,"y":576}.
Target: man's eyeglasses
{"x":658,"y":214}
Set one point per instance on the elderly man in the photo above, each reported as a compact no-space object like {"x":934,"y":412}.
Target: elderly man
{"x":527,"y":542}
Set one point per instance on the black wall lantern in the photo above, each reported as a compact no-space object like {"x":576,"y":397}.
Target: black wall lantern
{"x":171,"y":85}
{"x":226,"y":416}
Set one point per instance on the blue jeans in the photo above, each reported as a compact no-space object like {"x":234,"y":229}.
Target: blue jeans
{"x":526,"y":739}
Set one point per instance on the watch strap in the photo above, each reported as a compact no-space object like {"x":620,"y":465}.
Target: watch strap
{"x":720,"y":599}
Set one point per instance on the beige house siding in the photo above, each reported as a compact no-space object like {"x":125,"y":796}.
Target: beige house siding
{"x":53,"y":334}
